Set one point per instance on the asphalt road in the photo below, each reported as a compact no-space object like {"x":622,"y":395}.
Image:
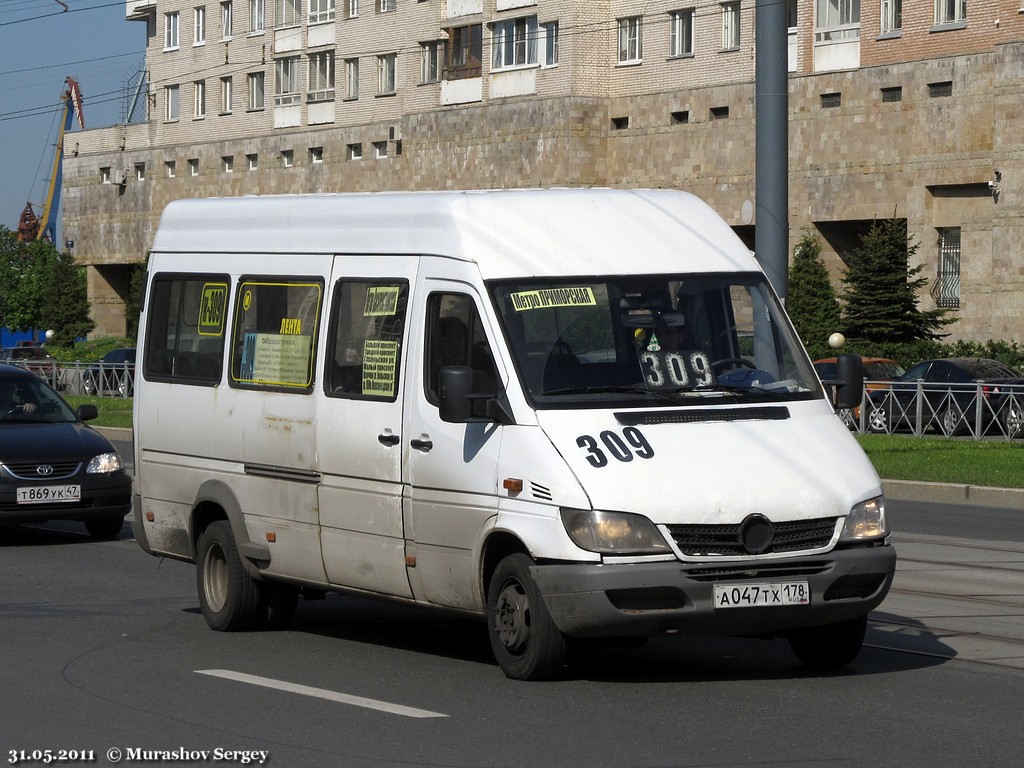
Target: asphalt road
{"x":104,"y":648}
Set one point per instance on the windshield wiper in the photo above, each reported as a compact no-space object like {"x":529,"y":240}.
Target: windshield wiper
{"x":599,"y":389}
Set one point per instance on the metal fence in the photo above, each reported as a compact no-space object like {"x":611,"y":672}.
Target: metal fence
{"x":102,"y":379}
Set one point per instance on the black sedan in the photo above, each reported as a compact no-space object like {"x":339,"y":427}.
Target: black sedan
{"x":114,"y":374}
{"x":954,"y":396}
{"x":52,"y":465}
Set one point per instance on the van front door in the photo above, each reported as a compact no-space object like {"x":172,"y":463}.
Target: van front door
{"x":451,"y":468}
{"x":359,"y":424}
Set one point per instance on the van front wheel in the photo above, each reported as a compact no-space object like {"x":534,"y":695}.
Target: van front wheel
{"x":831,"y":646}
{"x":524,"y":639}
{"x":228,"y":596}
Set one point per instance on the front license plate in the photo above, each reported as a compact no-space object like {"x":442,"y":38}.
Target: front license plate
{"x":49,"y":494}
{"x":752,"y":595}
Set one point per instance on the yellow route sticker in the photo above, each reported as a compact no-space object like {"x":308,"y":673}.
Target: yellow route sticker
{"x":545,"y":298}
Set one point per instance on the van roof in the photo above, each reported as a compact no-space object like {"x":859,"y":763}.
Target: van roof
{"x":508,"y":233}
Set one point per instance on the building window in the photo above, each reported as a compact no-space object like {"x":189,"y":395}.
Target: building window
{"x":836,"y":20}
{"x":321,"y":76}
{"x":630,"y":40}
{"x":514,"y":43}
{"x":316,"y":155}
{"x":719,"y":113}
{"x":940,"y":90}
{"x":355,"y":151}
{"x":225,"y":95}
{"x":946,"y":290}
{"x":286,"y":81}
{"x":730,"y":26}
{"x":172,"y":104}
{"x":287,"y":158}
{"x":193,"y":166}
{"x":431,"y":61}
{"x":384,"y":6}
{"x":257,"y":15}
{"x":321,"y":11}
{"x":226,"y":19}
{"x":680,"y":117}
{"x":169,"y":167}
{"x":105,"y":175}
{"x":228,"y":162}
{"x":256,"y":85}
{"x":380,"y":149}
{"x":140,"y":171}
{"x":464,"y":52}
{"x":199,"y":91}
{"x":351,"y":8}
{"x":550,"y":43}
{"x":831,"y":100}
{"x":894,"y":93}
{"x":252,"y":162}
{"x":351,"y":79}
{"x":386,"y":74}
{"x":171,"y":23}
{"x":950,"y":11}
{"x":680,"y":33}
{"x":199,"y":31}
{"x":620,"y":123}
{"x":289,"y":13}
{"x":892,"y":16}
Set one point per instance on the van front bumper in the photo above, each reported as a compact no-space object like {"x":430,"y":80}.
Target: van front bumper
{"x":645,"y":599}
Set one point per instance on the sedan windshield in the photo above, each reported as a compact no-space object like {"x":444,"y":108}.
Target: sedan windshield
{"x":28,"y":399}
{"x":637,"y":339}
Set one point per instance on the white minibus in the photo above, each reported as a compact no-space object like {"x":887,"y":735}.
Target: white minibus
{"x":574,"y":413}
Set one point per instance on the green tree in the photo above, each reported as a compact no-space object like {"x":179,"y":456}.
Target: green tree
{"x":812,"y":303}
{"x":882,"y":290}
{"x":66,"y":302}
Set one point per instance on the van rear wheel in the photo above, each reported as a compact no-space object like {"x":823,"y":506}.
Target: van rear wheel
{"x":524,"y":639}
{"x":831,"y":646}
{"x":228,"y":596}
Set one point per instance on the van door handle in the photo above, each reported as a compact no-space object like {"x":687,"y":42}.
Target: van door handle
{"x":389,"y":439}
{"x":421,"y":445}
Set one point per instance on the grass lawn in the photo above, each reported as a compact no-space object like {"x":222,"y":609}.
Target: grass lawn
{"x":996,"y":463}
{"x":114,"y":411}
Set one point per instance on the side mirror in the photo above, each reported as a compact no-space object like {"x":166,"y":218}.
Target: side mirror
{"x":850,"y":381}
{"x":454,"y":388}
{"x":87,"y":412}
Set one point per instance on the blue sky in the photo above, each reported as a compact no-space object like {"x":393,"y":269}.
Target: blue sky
{"x":40,"y":45}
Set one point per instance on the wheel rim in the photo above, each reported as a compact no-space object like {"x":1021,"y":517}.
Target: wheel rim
{"x":877,"y":420}
{"x":1014,"y":419}
{"x":512,"y":617}
{"x":215,"y":578}
{"x":951,"y":419}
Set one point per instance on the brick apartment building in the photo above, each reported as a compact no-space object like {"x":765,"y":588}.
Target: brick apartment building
{"x":910,"y":108}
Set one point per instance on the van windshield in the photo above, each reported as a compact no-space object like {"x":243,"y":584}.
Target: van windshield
{"x":636,"y":340}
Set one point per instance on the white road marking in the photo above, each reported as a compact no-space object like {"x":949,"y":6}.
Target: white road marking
{"x":321,"y":693}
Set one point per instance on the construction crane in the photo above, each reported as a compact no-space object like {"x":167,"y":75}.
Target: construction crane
{"x":33,"y":227}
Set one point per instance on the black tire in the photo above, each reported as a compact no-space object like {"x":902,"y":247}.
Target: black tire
{"x":524,"y":639}
{"x":952,"y":421}
{"x":831,"y":646}
{"x":229,"y":598}
{"x":279,"y":604}
{"x":108,"y":528}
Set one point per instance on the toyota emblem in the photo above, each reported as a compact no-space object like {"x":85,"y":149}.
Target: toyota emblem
{"x":44,"y":470}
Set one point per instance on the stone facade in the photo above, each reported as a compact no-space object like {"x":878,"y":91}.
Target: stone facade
{"x":917,"y":129}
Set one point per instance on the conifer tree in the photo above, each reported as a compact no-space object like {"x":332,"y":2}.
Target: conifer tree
{"x":812,"y":303}
{"x":882,"y":289}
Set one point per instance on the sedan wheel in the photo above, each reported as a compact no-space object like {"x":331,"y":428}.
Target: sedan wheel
{"x":1013,"y":420}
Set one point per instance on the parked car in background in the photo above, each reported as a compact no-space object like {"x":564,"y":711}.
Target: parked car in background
{"x":878,"y":372}
{"x":34,"y":359}
{"x":52,"y":465}
{"x":953,"y":395}
{"x":114,"y":374}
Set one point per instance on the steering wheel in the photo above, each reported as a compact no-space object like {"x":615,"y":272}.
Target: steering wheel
{"x":719,"y":366}
{"x":12,"y":411}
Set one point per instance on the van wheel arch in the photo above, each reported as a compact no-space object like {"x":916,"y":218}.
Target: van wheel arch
{"x":216,"y":501}
{"x":499,"y":546}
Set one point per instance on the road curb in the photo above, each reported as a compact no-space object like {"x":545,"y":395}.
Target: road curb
{"x":952,"y":493}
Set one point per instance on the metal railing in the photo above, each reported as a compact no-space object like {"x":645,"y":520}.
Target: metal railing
{"x":103,"y":379}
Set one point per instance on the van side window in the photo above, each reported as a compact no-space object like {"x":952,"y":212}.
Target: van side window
{"x":364,"y":355}
{"x":455,"y":336}
{"x":276,"y":325}
{"x":185,"y":333}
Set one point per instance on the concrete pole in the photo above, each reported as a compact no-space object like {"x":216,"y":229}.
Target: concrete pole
{"x":771,"y":163}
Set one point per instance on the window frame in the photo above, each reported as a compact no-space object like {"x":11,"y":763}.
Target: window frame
{"x":320,"y":77}
{"x":198,"y":99}
{"x":464,"y":52}
{"x":287,"y":75}
{"x":172,"y":31}
{"x":172,"y":103}
{"x":227,"y":19}
{"x":514,"y":43}
{"x":256,"y":91}
{"x":732,"y":31}
{"x":630,"y":31}
{"x":387,"y":74}
{"x":199,"y":25}
{"x":322,"y":11}
{"x":680,"y":33}
{"x":950,"y":12}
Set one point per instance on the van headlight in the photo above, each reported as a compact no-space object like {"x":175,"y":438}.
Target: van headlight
{"x":866,"y":521}
{"x":613,"y":533}
{"x":104,"y":464}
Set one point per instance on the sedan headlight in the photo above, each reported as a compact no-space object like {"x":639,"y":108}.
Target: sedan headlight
{"x":866,"y":521}
{"x":613,"y":533}
{"x":104,"y":464}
